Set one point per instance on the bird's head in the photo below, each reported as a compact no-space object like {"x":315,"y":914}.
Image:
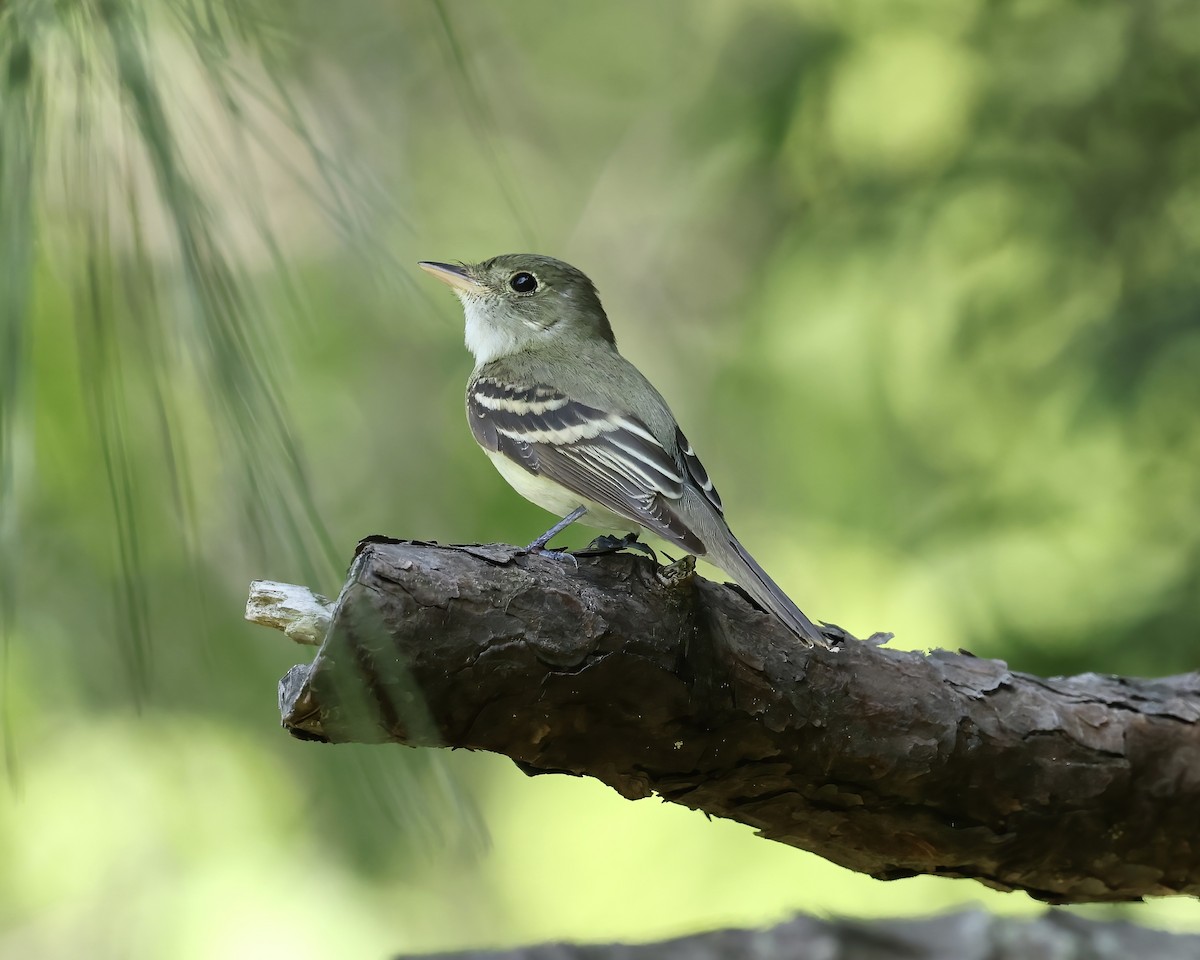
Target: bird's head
{"x":521,"y":301}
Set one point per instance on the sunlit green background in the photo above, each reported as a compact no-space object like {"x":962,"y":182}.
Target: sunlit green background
{"x":919,"y":279}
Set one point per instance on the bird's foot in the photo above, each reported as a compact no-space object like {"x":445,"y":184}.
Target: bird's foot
{"x":606,"y":544}
{"x":539,"y":549}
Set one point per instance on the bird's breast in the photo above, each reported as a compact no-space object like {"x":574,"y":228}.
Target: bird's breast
{"x":554,"y":497}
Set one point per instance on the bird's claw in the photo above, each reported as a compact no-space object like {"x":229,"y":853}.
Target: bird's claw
{"x":538,"y":550}
{"x":606,"y":544}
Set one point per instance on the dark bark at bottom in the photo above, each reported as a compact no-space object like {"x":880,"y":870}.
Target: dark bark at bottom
{"x":888,"y":762}
{"x":971,"y":935}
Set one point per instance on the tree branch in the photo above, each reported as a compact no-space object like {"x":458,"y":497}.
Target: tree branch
{"x":969,"y":935}
{"x":888,"y":762}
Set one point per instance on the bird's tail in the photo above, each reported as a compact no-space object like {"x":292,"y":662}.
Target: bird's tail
{"x":754,"y":580}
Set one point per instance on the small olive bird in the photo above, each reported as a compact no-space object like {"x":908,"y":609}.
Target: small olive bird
{"x":575,"y":428}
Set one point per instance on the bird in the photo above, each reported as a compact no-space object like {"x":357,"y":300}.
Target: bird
{"x":576,"y":428}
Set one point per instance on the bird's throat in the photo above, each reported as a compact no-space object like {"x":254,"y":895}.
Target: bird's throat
{"x":487,"y":336}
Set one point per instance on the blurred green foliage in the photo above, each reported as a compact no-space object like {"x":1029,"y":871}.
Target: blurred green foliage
{"x":919,"y":279}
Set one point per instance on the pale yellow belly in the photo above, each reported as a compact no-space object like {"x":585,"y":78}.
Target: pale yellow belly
{"x":556,"y":498}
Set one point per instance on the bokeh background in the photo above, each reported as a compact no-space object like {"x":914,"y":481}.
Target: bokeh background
{"x":917,"y":276}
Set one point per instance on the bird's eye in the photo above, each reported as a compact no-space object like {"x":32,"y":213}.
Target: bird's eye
{"x":523,"y":282}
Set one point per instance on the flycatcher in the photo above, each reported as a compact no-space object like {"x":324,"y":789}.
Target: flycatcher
{"x":574,"y":427}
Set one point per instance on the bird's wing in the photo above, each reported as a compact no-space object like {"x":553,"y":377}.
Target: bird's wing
{"x":609,"y":458}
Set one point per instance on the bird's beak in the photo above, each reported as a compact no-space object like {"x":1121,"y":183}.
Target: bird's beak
{"x":451,"y":274}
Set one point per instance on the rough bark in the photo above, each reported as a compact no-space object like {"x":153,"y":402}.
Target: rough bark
{"x":888,"y":762}
{"x":971,"y":935}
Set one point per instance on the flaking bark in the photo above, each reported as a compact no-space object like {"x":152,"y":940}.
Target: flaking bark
{"x":888,"y":762}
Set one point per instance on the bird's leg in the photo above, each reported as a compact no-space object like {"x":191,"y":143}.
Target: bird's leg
{"x":539,"y":545}
{"x":555,"y":530}
{"x":606,"y":543}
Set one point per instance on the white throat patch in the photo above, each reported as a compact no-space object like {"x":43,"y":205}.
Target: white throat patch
{"x":487,"y":339}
